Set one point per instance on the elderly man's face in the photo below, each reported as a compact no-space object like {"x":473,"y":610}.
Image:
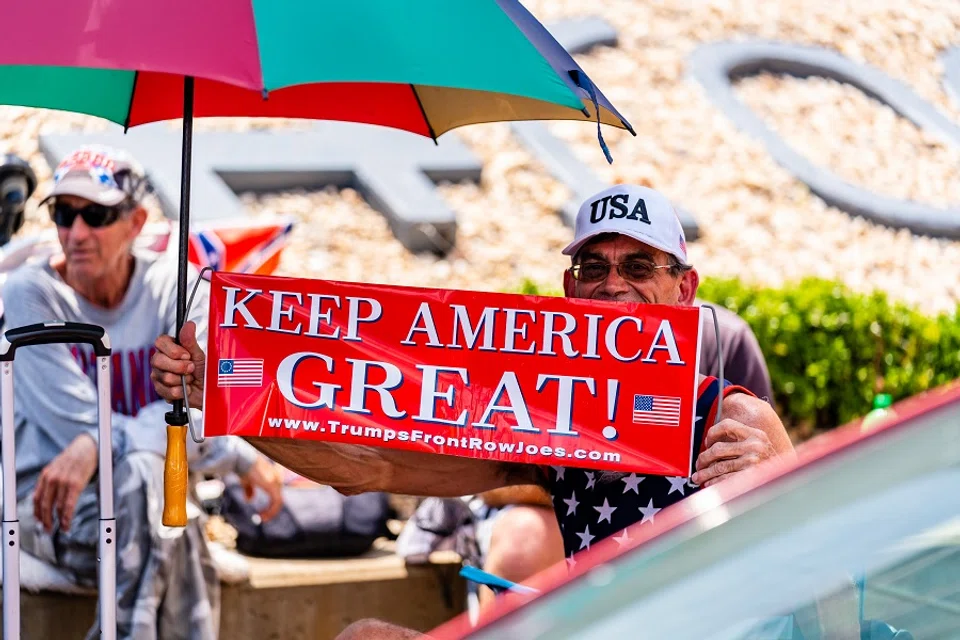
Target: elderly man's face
{"x":661,"y":287}
{"x":91,"y":253}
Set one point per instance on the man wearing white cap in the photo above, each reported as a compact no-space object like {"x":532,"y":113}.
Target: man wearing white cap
{"x":520,"y":536}
{"x":166,"y":584}
{"x":629,"y":247}
{"x":605,"y":213}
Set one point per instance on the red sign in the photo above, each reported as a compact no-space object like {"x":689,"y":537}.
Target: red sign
{"x":541,"y":380}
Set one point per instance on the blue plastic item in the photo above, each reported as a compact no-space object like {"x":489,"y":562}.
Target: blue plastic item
{"x":496,"y":583}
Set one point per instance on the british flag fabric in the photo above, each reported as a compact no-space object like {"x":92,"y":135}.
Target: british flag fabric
{"x":592,"y":505}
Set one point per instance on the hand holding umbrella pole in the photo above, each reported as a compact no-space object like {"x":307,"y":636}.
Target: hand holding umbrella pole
{"x":176,"y":472}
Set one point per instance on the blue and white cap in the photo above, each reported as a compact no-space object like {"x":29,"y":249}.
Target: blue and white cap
{"x":638,"y":212}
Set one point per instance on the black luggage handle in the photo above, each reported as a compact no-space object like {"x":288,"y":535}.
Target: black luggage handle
{"x":54,"y":333}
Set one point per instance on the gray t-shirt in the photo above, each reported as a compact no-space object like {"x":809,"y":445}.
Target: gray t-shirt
{"x":743,"y":361}
{"x":55,"y":385}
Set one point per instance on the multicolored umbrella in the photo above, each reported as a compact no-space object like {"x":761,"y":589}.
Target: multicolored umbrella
{"x":424,"y":66}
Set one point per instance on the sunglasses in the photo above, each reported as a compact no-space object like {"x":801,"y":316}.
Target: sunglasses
{"x":94,"y":215}
{"x":634,"y":271}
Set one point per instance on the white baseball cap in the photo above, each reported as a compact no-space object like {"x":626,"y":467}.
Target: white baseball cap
{"x":99,"y":174}
{"x":638,"y":212}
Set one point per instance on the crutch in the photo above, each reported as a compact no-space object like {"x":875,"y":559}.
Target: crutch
{"x":58,"y":333}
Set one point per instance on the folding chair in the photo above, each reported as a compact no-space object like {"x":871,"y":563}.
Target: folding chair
{"x":58,"y":333}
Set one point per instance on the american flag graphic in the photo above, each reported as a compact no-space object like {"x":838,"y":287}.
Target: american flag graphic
{"x":240,"y":372}
{"x":591,"y":505}
{"x":683,"y":245}
{"x":663,"y":410}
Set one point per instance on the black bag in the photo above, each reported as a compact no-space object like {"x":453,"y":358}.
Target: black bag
{"x":315,"y":522}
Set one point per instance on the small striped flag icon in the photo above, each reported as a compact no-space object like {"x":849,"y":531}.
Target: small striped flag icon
{"x":662,"y":410}
{"x":240,"y":372}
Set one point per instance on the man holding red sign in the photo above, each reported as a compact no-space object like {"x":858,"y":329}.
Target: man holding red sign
{"x":629,"y":249}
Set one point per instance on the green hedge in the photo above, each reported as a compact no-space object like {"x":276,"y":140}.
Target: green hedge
{"x":830,"y":350}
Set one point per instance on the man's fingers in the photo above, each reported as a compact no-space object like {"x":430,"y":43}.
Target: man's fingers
{"x":720,"y":478}
{"x":42,"y":501}
{"x":171,"y":379}
{"x":166,"y":391}
{"x":166,"y":373}
{"x":167,"y":346}
{"x":266,"y":476}
{"x":178,"y":366}
{"x":50,"y":499}
{"x":188,"y":338}
{"x":271,"y":512}
{"x":276,"y":503}
{"x":60,"y":502}
{"x":722,"y":451}
{"x":171,"y":392}
{"x":728,"y":430}
{"x":248,"y":489}
{"x":720,"y":468}
{"x":66,"y":504}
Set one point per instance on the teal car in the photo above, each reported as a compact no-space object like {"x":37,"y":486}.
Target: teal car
{"x":859,"y":538}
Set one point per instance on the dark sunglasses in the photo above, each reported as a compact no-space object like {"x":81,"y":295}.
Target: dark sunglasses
{"x":635,"y":271}
{"x":94,"y":215}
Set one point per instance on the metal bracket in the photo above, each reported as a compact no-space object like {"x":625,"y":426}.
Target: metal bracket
{"x":716,"y":328}
{"x":183,"y":379}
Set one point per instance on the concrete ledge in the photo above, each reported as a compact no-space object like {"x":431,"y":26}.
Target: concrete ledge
{"x":296,"y":599}
{"x":313,"y":600}
{"x":377,"y":565}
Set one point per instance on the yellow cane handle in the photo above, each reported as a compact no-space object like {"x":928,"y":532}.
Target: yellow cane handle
{"x":175,"y":476}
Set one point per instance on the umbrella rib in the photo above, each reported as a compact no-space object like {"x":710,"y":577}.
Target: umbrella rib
{"x":133,"y":92}
{"x":423,"y":112}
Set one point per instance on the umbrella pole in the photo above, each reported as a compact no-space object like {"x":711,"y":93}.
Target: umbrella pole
{"x":175,"y":471}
